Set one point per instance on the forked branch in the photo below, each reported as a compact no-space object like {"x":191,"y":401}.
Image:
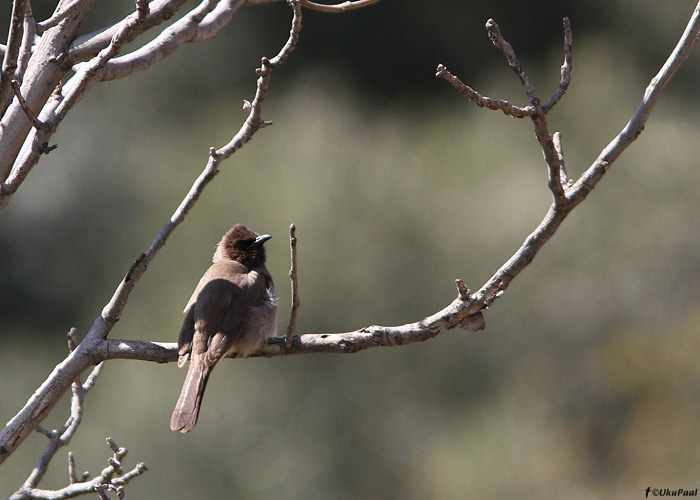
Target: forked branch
{"x":59,"y":438}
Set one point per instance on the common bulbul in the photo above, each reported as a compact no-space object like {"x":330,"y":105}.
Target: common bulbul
{"x":232,"y":310}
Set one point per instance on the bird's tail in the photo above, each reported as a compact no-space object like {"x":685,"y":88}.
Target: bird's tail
{"x":187,"y":409}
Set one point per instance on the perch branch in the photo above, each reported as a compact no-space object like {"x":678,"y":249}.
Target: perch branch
{"x":44,"y":398}
{"x":294,"y":283}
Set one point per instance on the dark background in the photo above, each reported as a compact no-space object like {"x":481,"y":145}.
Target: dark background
{"x":584,"y":384}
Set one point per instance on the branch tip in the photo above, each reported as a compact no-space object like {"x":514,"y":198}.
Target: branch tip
{"x":464,"y":292}
{"x":71,"y":336}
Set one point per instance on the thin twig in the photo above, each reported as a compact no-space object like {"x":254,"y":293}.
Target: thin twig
{"x":464,"y":292}
{"x":72,"y":476}
{"x":72,"y":339}
{"x":497,"y":39}
{"x":36,"y":123}
{"x":294,"y":283}
{"x":565,"y":80}
{"x":25,"y":51}
{"x":484,"y":101}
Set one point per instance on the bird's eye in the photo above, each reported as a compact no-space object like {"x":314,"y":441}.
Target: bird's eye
{"x":243,"y":244}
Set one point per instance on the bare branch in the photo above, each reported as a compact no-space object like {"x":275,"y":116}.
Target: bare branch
{"x":497,"y":39}
{"x":36,"y":123}
{"x":202,"y":23}
{"x":565,"y":80}
{"x":58,"y":16}
{"x":484,"y":101}
{"x":537,"y":113}
{"x":44,"y":71}
{"x":60,"y":437}
{"x":14,"y":42}
{"x":295,"y":288}
{"x":339,"y":7}
{"x":25,"y":52}
{"x":111,"y":478}
{"x":635,"y":126}
{"x":84,"y":80}
{"x":580,"y":189}
{"x":89,"y":45}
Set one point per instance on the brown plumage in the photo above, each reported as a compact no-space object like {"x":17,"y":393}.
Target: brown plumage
{"x":232,"y":310}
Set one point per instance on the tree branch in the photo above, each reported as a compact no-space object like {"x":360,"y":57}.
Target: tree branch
{"x":84,"y":80}
{"x":58,"y":16}
{"x":112,"y":478}
{"x":43,"y":73}
{"x":185,"y":30}
{"x":339,"y":7}
{"x":89,"y":45}
{"x":565,"y":80}
{"x":59,"y":438}
{"x":14,"y":42}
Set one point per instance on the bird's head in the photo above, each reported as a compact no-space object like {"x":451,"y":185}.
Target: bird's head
{"x":242,"y":245}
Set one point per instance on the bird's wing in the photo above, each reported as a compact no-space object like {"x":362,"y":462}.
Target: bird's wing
{"x":184,"y":341}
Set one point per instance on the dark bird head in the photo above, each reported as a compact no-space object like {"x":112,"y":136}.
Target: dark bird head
{"x":242,"y":245}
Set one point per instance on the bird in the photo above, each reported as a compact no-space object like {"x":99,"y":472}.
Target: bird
{"x":233,"y":310}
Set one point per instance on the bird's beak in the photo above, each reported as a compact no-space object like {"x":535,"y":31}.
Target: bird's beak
{"x":260,"y":240}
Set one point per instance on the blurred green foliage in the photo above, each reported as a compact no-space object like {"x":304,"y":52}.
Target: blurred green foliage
{"x":585,"y":382}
